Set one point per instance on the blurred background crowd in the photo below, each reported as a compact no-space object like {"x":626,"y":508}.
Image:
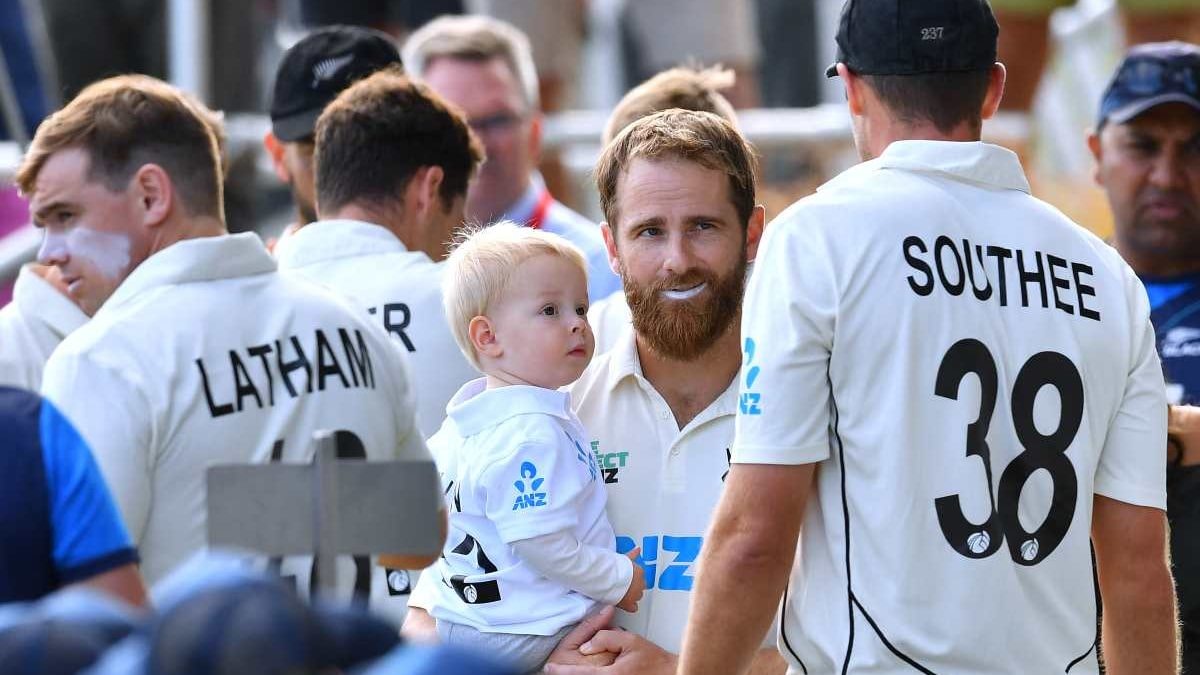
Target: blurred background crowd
{"x":587,"y":54}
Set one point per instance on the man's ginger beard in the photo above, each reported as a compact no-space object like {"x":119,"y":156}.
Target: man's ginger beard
{"x":683,"y":330}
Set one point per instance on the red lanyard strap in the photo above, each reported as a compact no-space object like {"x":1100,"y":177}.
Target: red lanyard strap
{"x":539,"y":212}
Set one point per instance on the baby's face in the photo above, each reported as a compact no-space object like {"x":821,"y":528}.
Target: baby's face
{"x":541,"y":323}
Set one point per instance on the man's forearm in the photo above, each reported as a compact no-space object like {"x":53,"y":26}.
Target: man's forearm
{"x":767,"y":661}
{"x":1141,"y":629}
{"x":744,"y":566}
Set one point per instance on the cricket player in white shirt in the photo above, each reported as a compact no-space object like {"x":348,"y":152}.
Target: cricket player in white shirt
{"x":392,"y":163}
{"x":953,"y":387}
{"x":38,"y":318}
{"x":201,"y":353}
{"x":683,"y":87}
{"x":659,"y":407}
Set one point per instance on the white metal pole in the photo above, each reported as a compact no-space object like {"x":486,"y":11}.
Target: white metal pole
{"x":188,"y":45}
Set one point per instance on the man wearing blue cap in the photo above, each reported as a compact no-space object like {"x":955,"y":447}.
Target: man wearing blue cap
{"x":955,"y":390}
{"x":1147,"y":150}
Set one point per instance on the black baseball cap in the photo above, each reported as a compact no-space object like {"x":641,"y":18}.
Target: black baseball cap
{"x":317,"y":68}
{"x":913,"y":37}
{"x":1150,"y":75}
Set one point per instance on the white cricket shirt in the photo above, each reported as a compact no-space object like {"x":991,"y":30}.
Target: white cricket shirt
{"x":515,"y":465}
{"x":611,"y":319}
{"x":968,"y":367}
{"x":663,"y":482}
{"x":38,"y":318}
{"x":206,"y":355}
{"x":402,"y":289}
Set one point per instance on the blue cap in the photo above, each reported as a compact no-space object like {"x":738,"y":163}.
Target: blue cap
{"x":1150,"y":75}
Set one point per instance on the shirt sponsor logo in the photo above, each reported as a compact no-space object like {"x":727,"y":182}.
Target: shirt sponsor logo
{"x":610,"y":463}
{"x":528,"y":496}
{"x":1180,"y":342}
{"x":749,"y":403}
{"x":666,"y":560}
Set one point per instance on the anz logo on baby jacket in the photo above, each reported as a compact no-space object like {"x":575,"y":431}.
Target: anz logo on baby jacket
{"x":529,"y":488}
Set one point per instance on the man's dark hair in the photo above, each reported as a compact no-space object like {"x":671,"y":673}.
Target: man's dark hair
{"x":378,"y":133}
{"x":944,"y":99}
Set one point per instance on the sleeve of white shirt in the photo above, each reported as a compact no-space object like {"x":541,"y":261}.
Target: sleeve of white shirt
{"x":787,"y":337}
{"x":111,"y":413}
{"x":425,"y":593}
{"x":1131,"y":467}
{"x":544,"y":476}
{"x":599,"y":573}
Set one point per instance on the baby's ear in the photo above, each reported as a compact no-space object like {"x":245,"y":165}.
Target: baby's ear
{"x":483,"y":338}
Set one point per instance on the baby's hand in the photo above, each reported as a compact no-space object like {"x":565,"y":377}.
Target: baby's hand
{"x":637,"y":585}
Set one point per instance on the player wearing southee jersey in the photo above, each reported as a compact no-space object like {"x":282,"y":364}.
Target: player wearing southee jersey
{"x":386,"y":220}
{"x":201,"y":352}
{"x":952,"y":386}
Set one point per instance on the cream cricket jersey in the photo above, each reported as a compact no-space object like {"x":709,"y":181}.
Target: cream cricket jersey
{"x":663,"y":482}
{"x":515,"y":465}
{"x":968,"y":367}
{"x":611,"y":320}
{"x":38,"y":318}
{"x":401,"y":289}
{"x":206,"y":355}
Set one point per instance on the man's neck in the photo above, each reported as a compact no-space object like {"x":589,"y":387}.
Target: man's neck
{"x":498,"y":207}
{"x":1158,"y":267}
{"x":385,"y":218}
{"x":184,"y":228}
{"x":691,"y":386}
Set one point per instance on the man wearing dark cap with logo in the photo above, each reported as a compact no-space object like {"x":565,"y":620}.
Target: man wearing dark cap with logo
{"x":312,"y":73}
{"x":953,"y":388}
{"x":1147,"y":149}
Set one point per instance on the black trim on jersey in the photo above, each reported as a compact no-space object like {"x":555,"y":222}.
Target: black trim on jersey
{"x":846,"y":523}
{"x":783,"y":630}
{"x":899,"y":654}
{"x":851,"y":600}
{"x":1096,"y":587}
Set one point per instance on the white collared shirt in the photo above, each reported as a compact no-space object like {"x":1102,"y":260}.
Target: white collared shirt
{"x":38,"y":318}
{"x":401,"y":289}
{"x":515,"y":465}
{"x":921,"y":327}
{"x":663,"y":482}
{"x":610,"y":319}
{"x":206,"y":355}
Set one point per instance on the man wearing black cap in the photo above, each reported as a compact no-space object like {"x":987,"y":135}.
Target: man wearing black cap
{"x":953,"y":387}
{"x":1147,"y":149}
{"x":312,"y":73}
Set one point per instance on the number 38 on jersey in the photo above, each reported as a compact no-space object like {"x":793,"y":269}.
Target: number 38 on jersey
{"x":1038,"y":452}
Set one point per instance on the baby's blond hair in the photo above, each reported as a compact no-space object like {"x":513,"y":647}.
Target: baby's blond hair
{"x":484,"y":261}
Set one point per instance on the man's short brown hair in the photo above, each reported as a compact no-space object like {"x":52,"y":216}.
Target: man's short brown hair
{"x":126,"y":122}
{"x":693,"y":136}
{"x":682,"y":87}
{"x":379,"y":132}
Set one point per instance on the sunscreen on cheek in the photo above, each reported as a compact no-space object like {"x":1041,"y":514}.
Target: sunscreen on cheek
{"x":108,"y":252}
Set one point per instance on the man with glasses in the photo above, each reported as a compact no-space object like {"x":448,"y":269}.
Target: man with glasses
{"x":485,"y":67}
{"x":1147,"y":149}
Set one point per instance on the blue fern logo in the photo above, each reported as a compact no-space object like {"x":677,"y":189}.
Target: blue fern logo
{"x":749,"y":402}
